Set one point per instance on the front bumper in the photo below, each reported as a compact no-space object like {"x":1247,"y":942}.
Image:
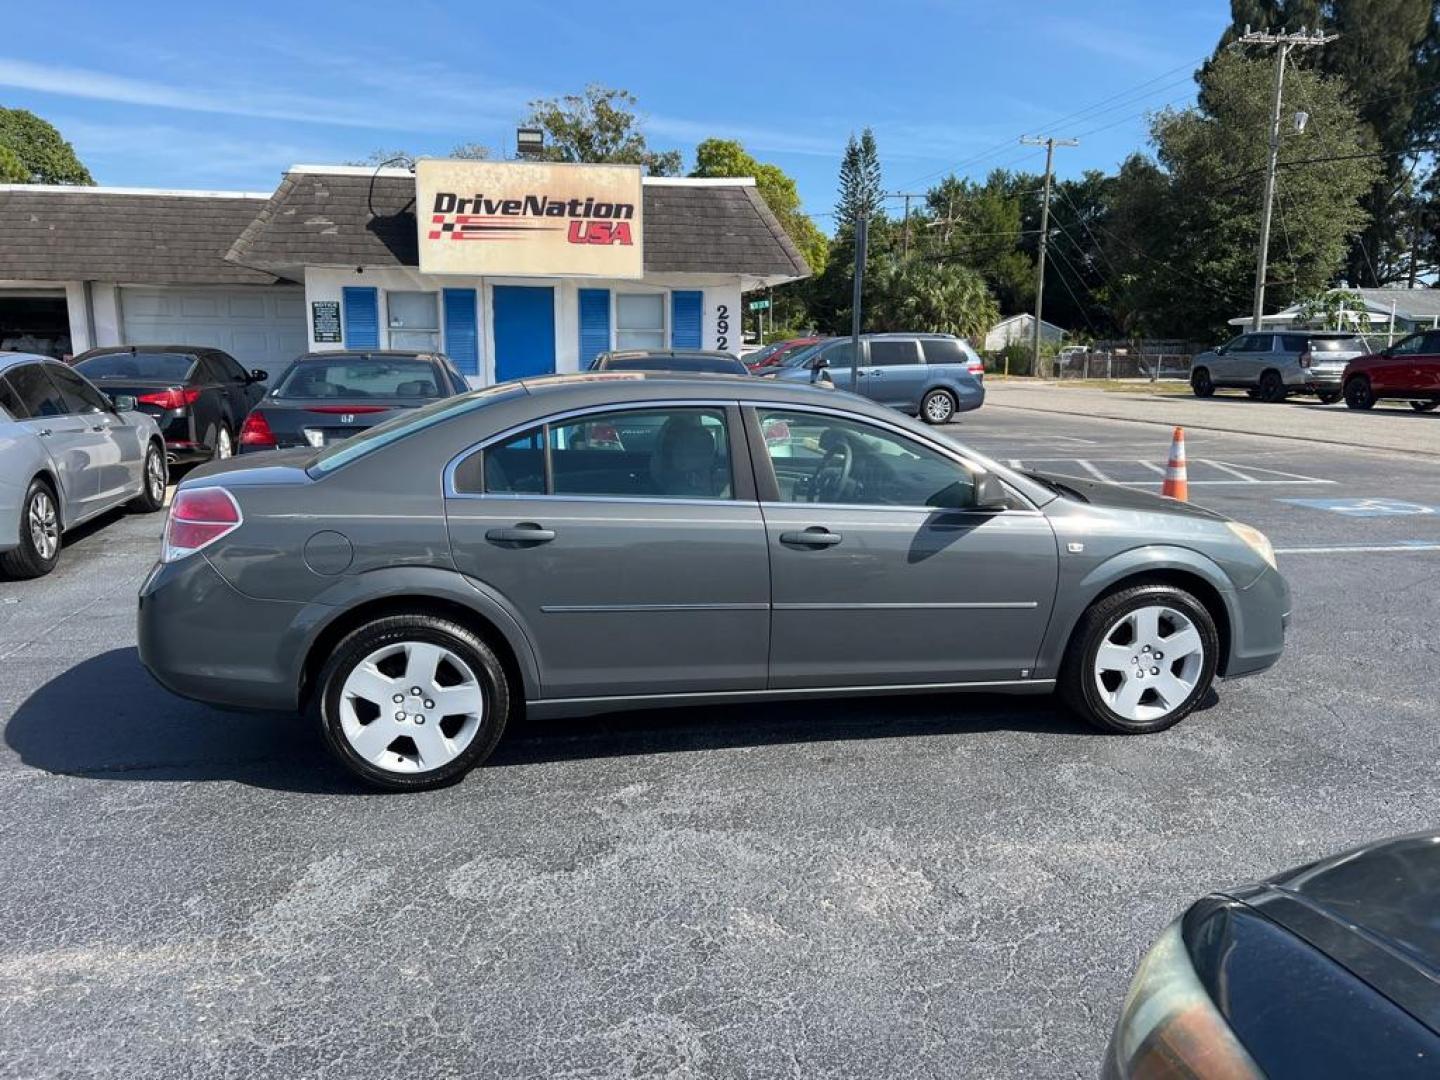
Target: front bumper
{"x":202,"y":639}
{"x":1257,"y":632}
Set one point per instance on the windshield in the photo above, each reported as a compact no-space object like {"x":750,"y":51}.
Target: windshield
{"x":357,"y":377}
{"x":761,"y":355}
{"x":407,"y":423}
{"x":148,"y":367}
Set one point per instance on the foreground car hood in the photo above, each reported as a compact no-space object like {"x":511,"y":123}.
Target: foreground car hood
{"x":1099,"y":493}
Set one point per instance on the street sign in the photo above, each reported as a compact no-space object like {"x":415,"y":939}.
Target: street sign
{"x":759,"y":305}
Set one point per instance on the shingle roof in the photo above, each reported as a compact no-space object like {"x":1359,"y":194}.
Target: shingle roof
{"x":332,"y":218}
{"x":136,"y":237}
{"x":1414,"y":304}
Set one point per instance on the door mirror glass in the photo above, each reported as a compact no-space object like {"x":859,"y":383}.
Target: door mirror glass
{"x":124,"y":402}
{"x":259,"y":375}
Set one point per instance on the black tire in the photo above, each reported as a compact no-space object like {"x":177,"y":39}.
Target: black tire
{"x":1253,"y":395}
{"x":1329,"y":397}
{"x":27,"y":560}
{"x":1079,"y":690}
{"x":360,"y":643}
{"x":1201,"y":384}
{"x":1424,"y":406}
{"x":937,"y":407}
{"x":1272,"y":386}
{"x":1359,"y":394}
{"x":150,"y":498}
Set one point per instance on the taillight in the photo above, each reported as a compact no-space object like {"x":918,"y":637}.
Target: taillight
{"x":256,"y":432}
{"x":198,"y":517}
{"x":177,"y":397}
{"x":975,"y":367}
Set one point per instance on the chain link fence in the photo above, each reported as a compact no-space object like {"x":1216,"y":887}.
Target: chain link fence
{"x":1111,"y":364}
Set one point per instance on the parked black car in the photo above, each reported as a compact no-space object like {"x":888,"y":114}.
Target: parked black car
{"x":692,"y":360}
{"x":327,"y":396}
{"x":198,"y":396}
{"x":1330,"y":970}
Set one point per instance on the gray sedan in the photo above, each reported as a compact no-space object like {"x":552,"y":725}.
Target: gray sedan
{"x":67,"y":454}
{"x":611,"y":541}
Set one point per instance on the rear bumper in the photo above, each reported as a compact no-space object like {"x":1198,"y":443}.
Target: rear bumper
{"x":1257,"y":633}
{"x":202,"y":639}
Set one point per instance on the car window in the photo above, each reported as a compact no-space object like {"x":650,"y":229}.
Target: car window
{"x":943,"y":351}
{"x":1293,"y":342}
{"x":173,"y":368}
{"x":837,"y":354}
{"x":1254,"y":343}
{"x":668,"y":453}
{"x":1408,"y":346}
{"x":1432,"y":342}
{"x":819,"y":458}
{"x":354,"y":378}
{"x":893,"y":353}
{"x":80,"y":396}
{"x":1336,"y":344}
{"x":40,"y":395}
{"x":228,"y":367}
{"x":10,"y":401}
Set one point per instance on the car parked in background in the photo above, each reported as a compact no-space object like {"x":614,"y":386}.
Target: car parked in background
{"x":933,"y":376}
{"x":697,"y":361}
{"x":1273,"y":365}
{"x":324,"y":397}
{"x":67,"y":454}
{"x":774,"y":354}
{"x":1331,"y":970}
{"x":1407,"y":370}
{"x":593,"y":542}
{"x":198,"y":396}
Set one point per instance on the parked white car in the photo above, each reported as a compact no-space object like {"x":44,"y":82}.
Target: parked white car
{"x":67,"y":454}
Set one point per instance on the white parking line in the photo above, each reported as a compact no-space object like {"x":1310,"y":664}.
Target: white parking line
{"x":1091,"y":469}
{"x":1231,"y":470}
{"x":1234,"y":477}
{"x":1356,"y":549}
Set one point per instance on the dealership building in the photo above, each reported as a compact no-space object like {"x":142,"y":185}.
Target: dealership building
{"x":512,"y":269}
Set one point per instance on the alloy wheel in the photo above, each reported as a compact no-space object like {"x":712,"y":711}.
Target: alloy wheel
{"x":1149,"y":662}
{"x":155,"y":475}
{"x":44,"y":525}
{"x":411,"y":707}
{"x":939,"y":408}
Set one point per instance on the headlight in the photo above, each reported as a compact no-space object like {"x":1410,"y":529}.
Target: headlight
{"x":1169,"y":1028}
{"x":1255,"y":540}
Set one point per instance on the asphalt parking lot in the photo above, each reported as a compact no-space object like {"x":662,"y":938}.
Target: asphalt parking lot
{"x":900,"y":887}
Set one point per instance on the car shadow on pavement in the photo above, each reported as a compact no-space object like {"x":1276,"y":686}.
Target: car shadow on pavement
{"x":106,"y":719}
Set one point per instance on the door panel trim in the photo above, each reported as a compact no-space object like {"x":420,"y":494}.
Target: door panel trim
{"x":607,"y":609}
{"x":787,"y":691}
{"x":993,"y":605}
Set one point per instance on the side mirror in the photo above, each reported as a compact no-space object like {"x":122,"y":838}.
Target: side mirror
{"x":818,"y":365}
{"x":990,"y":493}
{"x":259,"y":375}
{"x":124,"y":402}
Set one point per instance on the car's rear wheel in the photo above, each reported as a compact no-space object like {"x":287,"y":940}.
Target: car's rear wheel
{"x":410,"y":702}
{"x":1328,"y":397}
{"x":39,"y":548}
{"x":1424,"y":406}
{"x":153,"y":479}
{"x":1359,"y":394}
{"x":1141,"y":659}
{"x":937,"y":407}
{"x":1201,"y":384}
{"x":1272,"y":386}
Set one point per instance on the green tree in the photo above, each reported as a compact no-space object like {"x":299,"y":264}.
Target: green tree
{"x":983,"y":226}
{"x":727,"y":157}
{"x":599,"y":127}
{"x":33,"y":152}
{"x":926,"y":296}
{"x":861,"y":192}
{"x":1388,"y":52}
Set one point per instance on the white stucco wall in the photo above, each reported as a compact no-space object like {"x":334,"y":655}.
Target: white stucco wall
{"x":327,"y":283}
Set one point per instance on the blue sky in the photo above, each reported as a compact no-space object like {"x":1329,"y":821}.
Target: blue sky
{"x":195,"y":95}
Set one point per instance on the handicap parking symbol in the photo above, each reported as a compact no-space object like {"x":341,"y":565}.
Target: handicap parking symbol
{"x":1368,"y":508}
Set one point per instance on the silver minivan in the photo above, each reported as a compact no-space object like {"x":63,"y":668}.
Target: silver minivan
{"x":1271,"y":366}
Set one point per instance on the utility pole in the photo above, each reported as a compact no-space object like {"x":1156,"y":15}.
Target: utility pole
{"x":1283,"y":43}
{"x":907,"y":196}
{"x":1049,"y":142}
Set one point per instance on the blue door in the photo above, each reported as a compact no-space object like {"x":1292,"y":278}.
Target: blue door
{"x":524,"y":331}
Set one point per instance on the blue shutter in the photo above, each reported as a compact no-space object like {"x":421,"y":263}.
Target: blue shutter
{"x":462,"y":338}
{"x":594,"y":324}
{"x":362,"y":317}
{"x":685,"y":312}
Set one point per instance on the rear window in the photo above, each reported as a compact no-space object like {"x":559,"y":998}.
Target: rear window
{"x":355,"y":378}
{"x":713,"y":364}
{"x":147,"y":366}
{"x":1336,"y":344}
{"x":943,"y":351}
{"x":407,"y":423}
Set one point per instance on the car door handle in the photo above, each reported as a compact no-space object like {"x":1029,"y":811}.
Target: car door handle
{"x":524,"y":533}
{"x":815,"y":536}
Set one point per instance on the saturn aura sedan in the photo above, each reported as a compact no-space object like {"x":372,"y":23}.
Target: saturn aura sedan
{"x":68,"y":453}
{"x":575,"y":544}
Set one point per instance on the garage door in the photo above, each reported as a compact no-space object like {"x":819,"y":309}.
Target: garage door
{"x":261,"y":327}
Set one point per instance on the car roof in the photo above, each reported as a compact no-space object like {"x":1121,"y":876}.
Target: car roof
{"x":660,"y":354}
{"x":15,"y":359}
{"x":111,"y":350}
{"x":396,"y":354}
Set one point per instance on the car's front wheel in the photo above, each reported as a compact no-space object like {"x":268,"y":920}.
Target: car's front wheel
{"x":1141,"y":659}
{"x":410,"y":702}
{"x":1201,"y":384}
{"x":39,"y":548}
{"x":937,"y":407}
{"x":1359,"y":394}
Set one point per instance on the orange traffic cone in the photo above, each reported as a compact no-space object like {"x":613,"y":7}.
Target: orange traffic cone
{"x":1177,"y":482}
